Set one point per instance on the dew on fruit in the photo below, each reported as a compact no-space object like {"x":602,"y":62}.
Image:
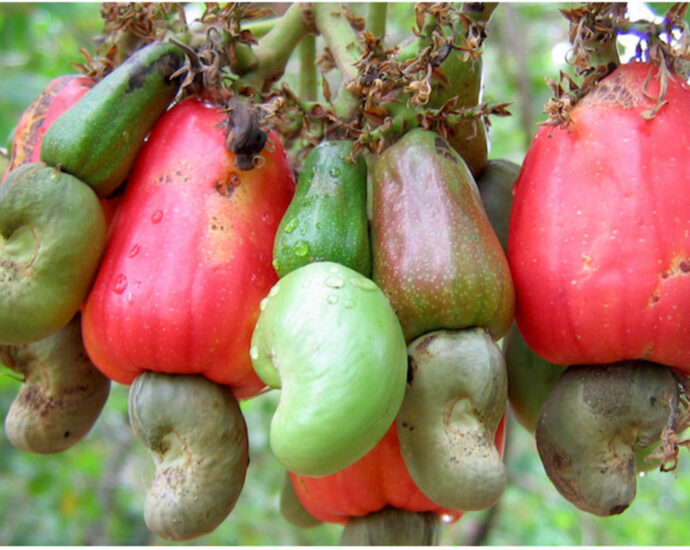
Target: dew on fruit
{"x":363,"y":283}
{"x":157,"y":216}
{"x":274,"y":291}
{"x":134,"y":250}
{"x":291,"y":225}
{"x":301,"y":248}
{"x":334,"y":172}
{"x":263,"y":303}
{"x":333,"y":281}
{"x":120,"y":284}
{"x":254,"y":353}
{"x":332,"y":299}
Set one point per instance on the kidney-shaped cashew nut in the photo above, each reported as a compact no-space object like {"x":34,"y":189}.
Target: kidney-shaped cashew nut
{"x":455,"y":398}
{"x":197,"y":436}
{"x":593,"y":421}
{"x":62,"y":394}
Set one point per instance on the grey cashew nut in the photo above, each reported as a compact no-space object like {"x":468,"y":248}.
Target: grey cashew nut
{"x":62,"y":394}
{"x":454,"y":402}
{"x":393,"y":527}
{"x":292,"y":508}
{"x":197,"y":436}
{"x":594,"y":420}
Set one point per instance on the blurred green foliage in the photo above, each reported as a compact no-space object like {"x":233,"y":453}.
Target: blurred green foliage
{"x":93,"y":494}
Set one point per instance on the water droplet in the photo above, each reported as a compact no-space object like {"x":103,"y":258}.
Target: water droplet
{"x":332,"y":299}
{"x":290,"y":226}
{"x":334,"y":172}
{"x":349,"y":304}
{"x":334,"y":281}
{"x":363,"y":283}
{"x":120,"y":284}
{"x":276,"y":264}
{"x":134,"y":250}
{"x":157,"y":216}
{"x":254,"y":353}
{"x":333,"y":269}
{"x":263,"y":303}
{"x":274,"y":291}
{"x":301,"y":248}
{"x":234,"y":179}
{"x":267,"y":218}
{"x":130,"y":298}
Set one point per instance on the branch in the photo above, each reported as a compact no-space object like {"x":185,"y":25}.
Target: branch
{"x":275,"y":48}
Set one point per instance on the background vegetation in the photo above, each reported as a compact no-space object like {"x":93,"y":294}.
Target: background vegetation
{"x":94,"y":493}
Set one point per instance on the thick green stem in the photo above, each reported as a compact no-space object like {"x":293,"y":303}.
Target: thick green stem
{"x":307,"y":74}
{"x":275,"y":48}
{"x":260,"y":27}
{"x":332,"y":23}
{"x":376,"y":18}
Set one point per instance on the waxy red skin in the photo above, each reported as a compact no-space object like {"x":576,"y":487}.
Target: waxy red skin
{"x":188,"y":258}
{"x":599,"y":243}
{"x":377,"y":480}
{"x":60,"y":94}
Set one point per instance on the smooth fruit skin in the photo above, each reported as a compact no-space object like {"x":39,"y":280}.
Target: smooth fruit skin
{"x":328,"y":337}
{"x":52,"y":237}
{"x":599,"y":243}
{"x":529,"y":378}
{"x":60,"y":94}
{"x":327,"y":218}
{"x":98,"y":139}
{"x":377,"y":480}
{"x":435,"y":253}
{"x":496,"y":189}
{"x":189,"y":256}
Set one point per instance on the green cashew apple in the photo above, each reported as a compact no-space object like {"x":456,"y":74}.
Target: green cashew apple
{"x":530,"y":378}
{"x":197,"y":436}
{"x":329,"y":338}
{"x":52,"y":236}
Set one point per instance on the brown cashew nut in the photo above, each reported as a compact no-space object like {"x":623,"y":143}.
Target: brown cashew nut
{"x":455,"y":398}
{"x":594,"y":420}
{"x":197,"y":436}
{"x":62,"y":394}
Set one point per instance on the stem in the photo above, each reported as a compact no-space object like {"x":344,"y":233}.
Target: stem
{"x":275,"y":48}
{"x":260,"y":27}
{"x":333,"y":25}
{"x":307,"y":59}
{"x":376,"y":18}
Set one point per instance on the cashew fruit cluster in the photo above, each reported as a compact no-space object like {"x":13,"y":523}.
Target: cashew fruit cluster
{"x":395,"y":286}
{"x":440,"y":277}
{"x":69,"y":305}
{"x":598,"y":248}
